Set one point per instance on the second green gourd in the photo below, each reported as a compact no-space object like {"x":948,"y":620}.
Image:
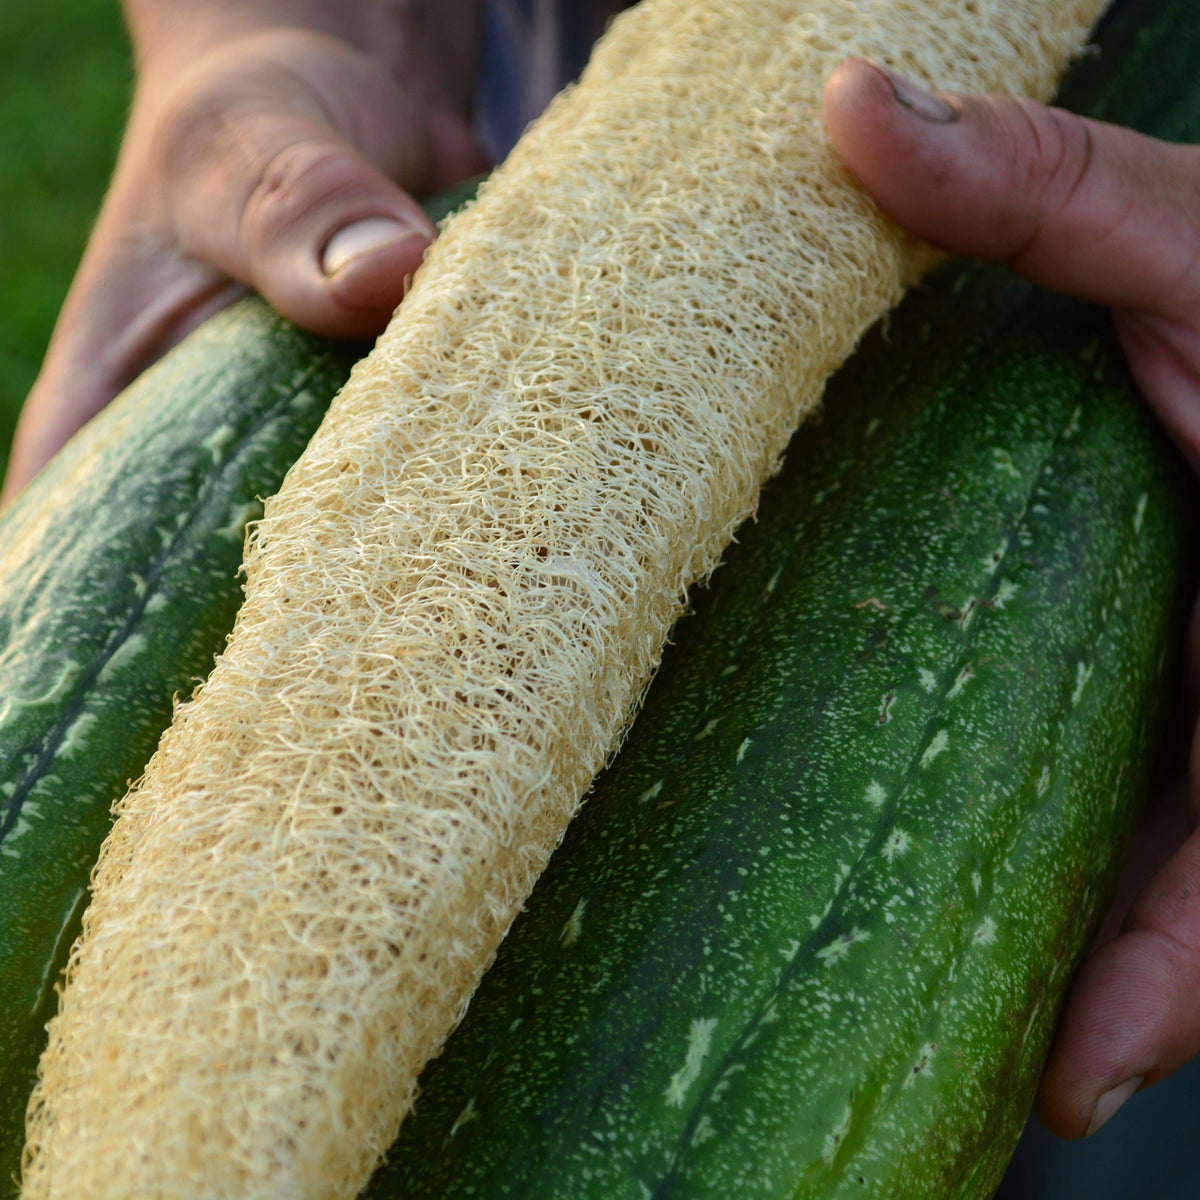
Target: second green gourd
{"x":809,"y":936}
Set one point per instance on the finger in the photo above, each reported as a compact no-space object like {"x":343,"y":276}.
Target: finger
{"x":1131,"y":1017}
{"x":293,"y":163}
{"x":1164,"y":353}
{"x":1099,"y":212}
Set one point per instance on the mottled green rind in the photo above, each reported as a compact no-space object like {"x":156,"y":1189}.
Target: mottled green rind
{"x":118,"y":584}
{"x":867,"y":937}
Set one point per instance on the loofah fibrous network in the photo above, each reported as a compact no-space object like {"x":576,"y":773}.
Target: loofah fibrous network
{"x":463,"y":587}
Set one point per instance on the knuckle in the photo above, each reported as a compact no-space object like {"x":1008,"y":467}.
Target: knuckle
{"x":237,"y":140}
{"x":288,"y":185}
{"x":1052,"y":153}
{"x":1045,"y":161}
{"x":1065,"y":156}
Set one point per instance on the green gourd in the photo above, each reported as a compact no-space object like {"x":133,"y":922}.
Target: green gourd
{"x":809,"y":936}
{"x":118,"y":584}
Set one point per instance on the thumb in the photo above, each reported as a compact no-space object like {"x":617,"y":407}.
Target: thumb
{"x":1094,"y":210}
{"x":285,"y":162}
{"x":291,"y":163}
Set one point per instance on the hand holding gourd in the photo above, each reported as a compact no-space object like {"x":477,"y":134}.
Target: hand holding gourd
{"x":1107,"y":215}
{"x":270,"y":146}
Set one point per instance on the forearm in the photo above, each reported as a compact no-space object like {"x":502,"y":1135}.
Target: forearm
{"x":403,"y":36}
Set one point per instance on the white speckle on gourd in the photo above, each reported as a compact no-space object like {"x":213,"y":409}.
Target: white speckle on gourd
{"x":468,"y":1114}
{"x":1002,"y":461}
{"x":937,"y":745}
{"x":134,"y":645}
{"x":841,"y":946}
{"x":1005,"y":592}
{"x":235,"y":527}
{"x":216,"y":441}
{"x":835,"y":1137}
{"x":1083,"y":672}
{"x":985,"y":934}
{"x":651,"y":792}
{"x":574,"y":924}
{"x":76,"y":735}
{"x":705,"y":1130}
{"x":897,"y":843}
{"x":18,"y":831}
{"x":699,"y":1041}
{"x":68,"y":673}
{"x":922,"y":1066}
{"x":1139,"y":513}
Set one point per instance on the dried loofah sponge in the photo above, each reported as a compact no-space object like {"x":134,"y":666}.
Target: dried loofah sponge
{"x":457,"y":598}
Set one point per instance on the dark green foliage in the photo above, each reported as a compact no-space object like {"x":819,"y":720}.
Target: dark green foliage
{"x":65,"y":80}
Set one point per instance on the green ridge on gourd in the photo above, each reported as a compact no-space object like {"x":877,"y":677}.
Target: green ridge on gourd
{"x":804,"y":942}
{"x":118,"y":584}
{"x":809,"y":936}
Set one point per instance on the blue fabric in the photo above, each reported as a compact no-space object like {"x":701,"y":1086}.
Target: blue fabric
{"x":500,"y":96}
{"x":1143,"y":1153}
{"x":530,"y":50}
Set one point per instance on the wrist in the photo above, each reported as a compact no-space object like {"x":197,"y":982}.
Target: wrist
{"x":405,"y":37}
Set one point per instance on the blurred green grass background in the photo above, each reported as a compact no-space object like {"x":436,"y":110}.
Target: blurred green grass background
{"x":65,"y":79}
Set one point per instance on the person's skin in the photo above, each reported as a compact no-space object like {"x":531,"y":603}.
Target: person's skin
{"x":273,"y":144}
{"x":278,"y":144}
{"x":1114,"y":218}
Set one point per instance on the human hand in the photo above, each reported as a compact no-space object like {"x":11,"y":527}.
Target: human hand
{"x":1109,"y":216}
{"x":271,"y":145}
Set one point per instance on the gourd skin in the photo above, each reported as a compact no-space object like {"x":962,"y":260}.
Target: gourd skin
{"x":678,"y":1013}
{"x":118,"y":584}
{"x":809,"y":936}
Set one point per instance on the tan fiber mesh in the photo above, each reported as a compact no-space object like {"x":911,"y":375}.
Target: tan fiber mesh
{"x":459,"y":594}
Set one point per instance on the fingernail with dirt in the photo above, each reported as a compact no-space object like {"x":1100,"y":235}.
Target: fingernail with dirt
{"x":922,"y":103}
